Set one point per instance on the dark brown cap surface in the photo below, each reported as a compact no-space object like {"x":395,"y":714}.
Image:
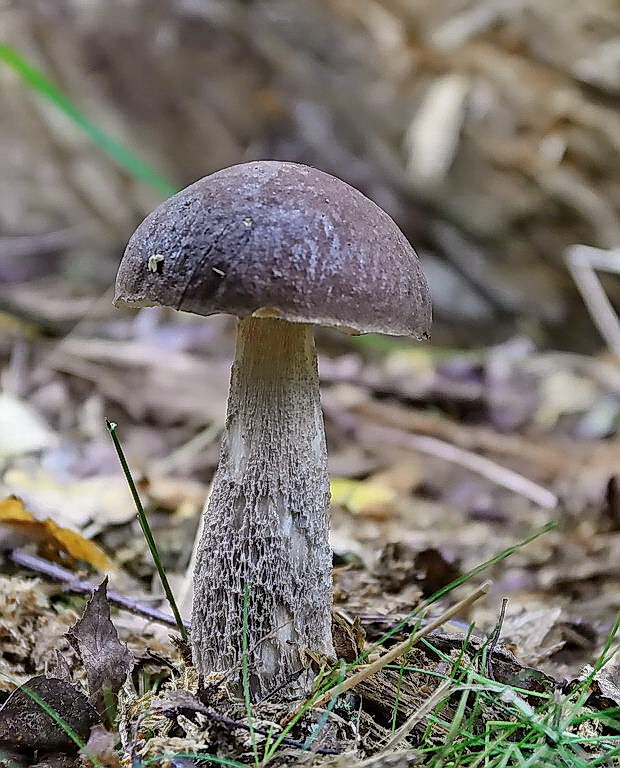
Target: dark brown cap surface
{"x":283,"y":238}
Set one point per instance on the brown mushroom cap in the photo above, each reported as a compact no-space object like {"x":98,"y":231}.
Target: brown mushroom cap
{"x":279,"y":239}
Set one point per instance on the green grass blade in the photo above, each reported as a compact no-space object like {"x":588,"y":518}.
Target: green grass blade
{"x":331,"y":678}
{"x":146,"y":531}
{"x":453,"y":585}
{"x":41,"y":84}
{"x":325,"y":716}
{"x":583,"y":689}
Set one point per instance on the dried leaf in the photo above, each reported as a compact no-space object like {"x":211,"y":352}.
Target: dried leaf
{"x":101,"y":746}
{"x":563,"y":392}
{"x":102,"y":499}
{"x":534,"y":633}
{"x":59,"y":667}
{"x":107,"y":661}
{"x":400,"y":565}
{"x":348,"y":638}
{"x":363,"y":497}
{"x":26,"y":724}
{"x":22,"y":430}
{"x":606,"y":681}
{"x":48,"y":533}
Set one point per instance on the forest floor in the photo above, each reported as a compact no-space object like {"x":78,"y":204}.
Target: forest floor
{"x":442,"y":462}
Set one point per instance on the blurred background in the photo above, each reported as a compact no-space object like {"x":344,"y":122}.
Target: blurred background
{"x":488,"y":129}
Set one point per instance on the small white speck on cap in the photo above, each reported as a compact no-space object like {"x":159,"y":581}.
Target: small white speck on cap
{"x":155,"y":261}
{"x":219,"y":271}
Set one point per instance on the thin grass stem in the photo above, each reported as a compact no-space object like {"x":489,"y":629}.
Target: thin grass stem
{"x":146,"y":531}
{"x":41,"y":84}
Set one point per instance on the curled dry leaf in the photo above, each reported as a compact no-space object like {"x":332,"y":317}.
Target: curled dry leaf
{"x":349,"y":637}
{"x":42,"y":714}
{"x":52,"y":536}
{"x":106,"y":660}
{"x":606,"y":681}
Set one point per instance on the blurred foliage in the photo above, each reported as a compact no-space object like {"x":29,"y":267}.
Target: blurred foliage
{"x":36,"y":80}
{"x":488,"y":129}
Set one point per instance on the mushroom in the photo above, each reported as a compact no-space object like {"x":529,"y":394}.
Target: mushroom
{"x":283,"y":247}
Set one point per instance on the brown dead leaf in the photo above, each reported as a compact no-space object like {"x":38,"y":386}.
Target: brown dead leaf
{"x":106,"y":660}
{"x":101,"y":746}
{"x":606,"y":681}
{"x":348,"y":637}
{"x":59,"y":667}
{"x":52,"y":536}
{"x":26,"y":725}
{"x":400,"y":565}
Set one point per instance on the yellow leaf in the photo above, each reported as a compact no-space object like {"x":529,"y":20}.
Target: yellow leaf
{"x":12,"y":511}
{"x":49,"y":534}
{"x":363,"y":497}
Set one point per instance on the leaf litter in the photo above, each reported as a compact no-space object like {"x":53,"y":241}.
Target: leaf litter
{"x":106,"y":660}
{"x":51,"y":537}
{"x":405,"y":524}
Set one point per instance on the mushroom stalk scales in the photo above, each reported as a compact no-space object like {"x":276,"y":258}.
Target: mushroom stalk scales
{"x":283,"y":247}
{"x":267,"y":520}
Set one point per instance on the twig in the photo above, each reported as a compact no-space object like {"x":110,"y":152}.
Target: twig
{"x":398,"y":650}
{"x":21,"y":246}
{"x":470,"y":437}
{"x":495,"y":638}
{"x":581,"y":261}
{"x":403,"y":388}
{"x":195,"y":445}
{"x":245,"y":727}
{"x":488,"y":469}
{"x":83,"y":587}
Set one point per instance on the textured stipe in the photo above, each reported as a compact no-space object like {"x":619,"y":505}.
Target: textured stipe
{"x":267,"y":519}
{"x":281,"y":236}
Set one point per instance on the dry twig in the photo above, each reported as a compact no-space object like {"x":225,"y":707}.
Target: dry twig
{"x":401,"y":648}
{"x":481,"y":465}
{"x":81,"y":587}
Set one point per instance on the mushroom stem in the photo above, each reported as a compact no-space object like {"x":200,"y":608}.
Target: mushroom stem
{"x":267,"y":520}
